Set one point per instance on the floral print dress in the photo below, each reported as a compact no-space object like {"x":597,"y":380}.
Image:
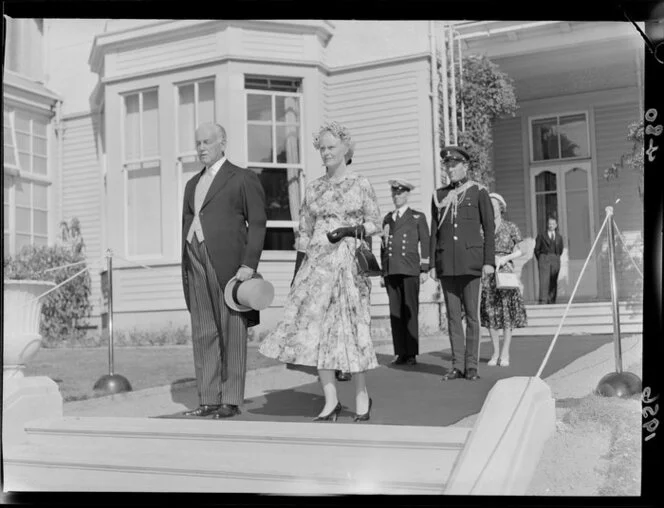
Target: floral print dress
{"x":326,"y":318}
{"x":503,"y":308}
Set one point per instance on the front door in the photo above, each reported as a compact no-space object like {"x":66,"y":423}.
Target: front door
{"x":564,"y":191}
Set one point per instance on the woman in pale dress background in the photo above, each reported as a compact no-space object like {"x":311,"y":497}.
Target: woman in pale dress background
{"x":502,"y":308}
{"x":326,"y":320}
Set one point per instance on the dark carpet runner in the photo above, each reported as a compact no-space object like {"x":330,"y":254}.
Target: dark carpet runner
{"x":415,"y":395}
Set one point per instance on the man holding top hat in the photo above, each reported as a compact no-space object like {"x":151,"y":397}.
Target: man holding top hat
{"x":223,"y":229}
{"x":405,"y":234}
{"x":462,"y":251}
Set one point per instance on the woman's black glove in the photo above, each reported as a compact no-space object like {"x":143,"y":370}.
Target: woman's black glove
{"x":339,"y":233}
{"x":298,"y":261}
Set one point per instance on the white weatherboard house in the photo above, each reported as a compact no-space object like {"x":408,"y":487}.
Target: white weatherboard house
{"x":100,"y":127}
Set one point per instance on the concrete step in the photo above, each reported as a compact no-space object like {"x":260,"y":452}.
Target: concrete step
{"x":597,"y":329}
{"x":267,"y":457}
{"x":597,"y":309}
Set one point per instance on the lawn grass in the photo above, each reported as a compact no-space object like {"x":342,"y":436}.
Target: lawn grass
{"x":77,"y":369}
{"x":622,"y":417}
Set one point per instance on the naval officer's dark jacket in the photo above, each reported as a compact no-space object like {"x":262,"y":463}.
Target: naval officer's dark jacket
{"x":462,"y":245}
{"x":400,"y":249}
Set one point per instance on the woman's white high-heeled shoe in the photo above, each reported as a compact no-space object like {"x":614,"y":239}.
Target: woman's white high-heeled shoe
{"x":493,"y":361}
{"x":504,"y":361}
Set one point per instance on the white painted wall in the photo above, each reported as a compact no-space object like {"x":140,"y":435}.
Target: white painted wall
{"x":68,"y":71}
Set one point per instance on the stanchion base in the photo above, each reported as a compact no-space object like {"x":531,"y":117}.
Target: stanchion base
{"x":619,"y":384}
{"x":112,"y":383}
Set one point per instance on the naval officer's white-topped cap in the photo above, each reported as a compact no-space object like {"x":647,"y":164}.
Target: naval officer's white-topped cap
{"x":401,"y":184}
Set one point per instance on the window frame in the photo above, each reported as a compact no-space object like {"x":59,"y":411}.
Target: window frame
{"x":276,"y":224}
{"x":128,"y":166}
{"x":16,"y":174}
{"x":184,"y":157}
{"x":11,"y":169}
{"x":558,"y":116}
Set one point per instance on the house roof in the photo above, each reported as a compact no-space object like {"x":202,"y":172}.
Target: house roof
{"x":129,"y":32}
{"x":26,"y":84}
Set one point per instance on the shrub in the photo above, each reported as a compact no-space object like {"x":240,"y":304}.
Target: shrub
{"x":486,"y":94}
{"x":633,"y":159}
{"x":65,"y":308}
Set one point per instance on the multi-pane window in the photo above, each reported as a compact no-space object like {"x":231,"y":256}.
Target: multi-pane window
{"x":31,"y":143}
{"x":142,"y":167}
{"x":195,"y":106}
{"x":31,"y":214}
{"x":25,"y":180}
{"x":546,"y":198}
{"x":274,"y":144}
{"x":560,"y":137}
{"x":10,"y":157}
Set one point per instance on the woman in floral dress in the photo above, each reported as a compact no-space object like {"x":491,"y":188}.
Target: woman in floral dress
{"x":502,"y":308}
{"x":326,"y":319}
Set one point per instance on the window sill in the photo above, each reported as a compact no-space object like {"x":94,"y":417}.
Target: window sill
{"x":129,"y":264}
{"x":278,"y":255}
{"x":548,"y":162}
{"x":11,"y":170}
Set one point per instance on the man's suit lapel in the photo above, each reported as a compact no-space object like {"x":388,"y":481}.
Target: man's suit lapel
{"x":226,"y":171}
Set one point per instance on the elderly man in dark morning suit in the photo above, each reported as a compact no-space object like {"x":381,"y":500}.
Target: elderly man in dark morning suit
{"x":462,"y":250}
{"x":223,"y":229}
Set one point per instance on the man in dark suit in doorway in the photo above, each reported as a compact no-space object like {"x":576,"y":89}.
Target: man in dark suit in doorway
{"x":548,"y":249}
{"x":223,"y":229}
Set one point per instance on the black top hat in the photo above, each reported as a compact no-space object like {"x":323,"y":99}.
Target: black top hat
{"x":454,"y":152}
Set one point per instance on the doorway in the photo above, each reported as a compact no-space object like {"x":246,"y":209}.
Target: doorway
{"x":564,"y":191}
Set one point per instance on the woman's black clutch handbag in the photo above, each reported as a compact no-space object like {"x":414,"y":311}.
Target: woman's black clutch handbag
{"x":367,"y":263}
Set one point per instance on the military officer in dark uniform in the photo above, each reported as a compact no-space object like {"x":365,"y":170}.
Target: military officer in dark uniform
{"x":405,"y":233}
{"x":462,"y":250}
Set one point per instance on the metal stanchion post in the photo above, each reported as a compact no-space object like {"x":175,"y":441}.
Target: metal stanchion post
{"x":111,"y":383}
{"x":618,"y":383}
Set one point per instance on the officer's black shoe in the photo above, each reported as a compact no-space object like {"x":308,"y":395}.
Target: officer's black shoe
{"x":411,"y":360}
{"x":342,"y":376}
{"x":399,"y":360}
{"x":453,"y":374}
{"x":472,"y":375}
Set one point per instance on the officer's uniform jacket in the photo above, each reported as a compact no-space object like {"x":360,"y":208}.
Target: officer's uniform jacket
{"x":402,"y":241}
{"x":462,"y":244}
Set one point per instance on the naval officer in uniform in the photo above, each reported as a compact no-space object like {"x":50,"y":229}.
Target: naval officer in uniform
{"x":405,"y":235}
{"x":462,"y":251}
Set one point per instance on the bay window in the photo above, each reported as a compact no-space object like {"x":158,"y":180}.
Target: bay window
{"x":142,"y":169}
{"x":195,"y":105}
{"x":274,"y":152}
{"x":25,"y":180}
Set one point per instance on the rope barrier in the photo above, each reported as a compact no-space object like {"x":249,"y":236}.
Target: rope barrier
{"x":63,"y":266}
{"x":569,"y":304}
{"x":133,"y":262}
{"x":58,"y":286}
{"x":624,"y":243}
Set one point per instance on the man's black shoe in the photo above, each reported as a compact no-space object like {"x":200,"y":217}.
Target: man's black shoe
{"x":226,"y":411}
{"x":453,"y":374}
{"x":399,"y":360}
{"x":202,"y":410}
{"x":471,"y":375}
{"x":411,"y":360}
{"x":342,"y":376}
